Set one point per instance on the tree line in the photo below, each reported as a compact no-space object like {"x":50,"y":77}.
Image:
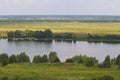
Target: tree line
{"x":104,"y":38}
{"x":38,"y":34}
{"x":53,"y":58}
{"x":30,"y":34}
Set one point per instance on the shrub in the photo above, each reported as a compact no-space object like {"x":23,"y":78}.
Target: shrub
{"x":89,"y":62}
{"x":12,"y":59}
{"x":22,"y":58}
{"x":53,"y":57}
{"x":69,"y":60}
{"x":4,"y":59}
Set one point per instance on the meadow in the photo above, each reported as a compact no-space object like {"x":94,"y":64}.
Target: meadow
{"x":79,"y":28}
{"x":55,"y":71}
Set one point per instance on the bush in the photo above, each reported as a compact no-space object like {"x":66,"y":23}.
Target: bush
{"x":53,"y":57}
{"x":12,"y":59}
{"x":22,"y":58}
{"x":106,"y":63}
{"x":69,"y":60}
{"x":89,"y":62}
{"x":4,"y":59}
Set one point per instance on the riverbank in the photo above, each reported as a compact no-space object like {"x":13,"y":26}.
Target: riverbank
{"x":79,"y":29}
{"x":57,"y":71}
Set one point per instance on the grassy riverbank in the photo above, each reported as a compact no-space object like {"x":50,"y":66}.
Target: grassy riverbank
{"x":59,"y":71}
{"x":81,"y":29}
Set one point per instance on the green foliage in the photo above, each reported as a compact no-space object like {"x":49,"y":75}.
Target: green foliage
{"x":64,"y":36}
{"x":69,"y":60}
{"x":23,"y":58}
{"x":38,"y":34}
{"x":45,"y":59}
{"x":89,"y":62}
{"x":13,"y":59}
{"x":118,"y":61}
{"x":18,"y":34}
{"x":36,"y":59}
{"x":48,"y":33}
{"x":29,"y":34}
{"x":106,"y":63}
{"x":4,"y":59}
{"x":10,"y":34}
{"x":39,"y":59}
{"x":82,"y":59}
{"x":53,"y":58}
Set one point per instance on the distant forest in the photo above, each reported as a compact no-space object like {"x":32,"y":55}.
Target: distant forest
{"x":59,"y":18}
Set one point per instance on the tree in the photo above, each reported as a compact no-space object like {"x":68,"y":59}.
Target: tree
{"x":45,"y":59}
{"x":118,"y":61}
{"x":53,"y":57}
{"x":4,"y":59}
{"x":107,"y":62}
{"x":48,"y":33}
{"x":39,"y":59}
{"x":18,"y":34}
{"x":89,"y":62}
{"x":38,"y":34}
{"x":69,"y":60}
{"x":12,"y":59}
{"x":28,"y":33}
{"x":22,"y":58}
{"x":10,"y":34}
{"x":36,"y":59}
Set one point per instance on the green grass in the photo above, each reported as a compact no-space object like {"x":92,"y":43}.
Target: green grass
{"x":63,"y":71}
{"x":80,"y":28}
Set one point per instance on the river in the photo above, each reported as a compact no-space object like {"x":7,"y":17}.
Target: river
{"x":64,"y":49}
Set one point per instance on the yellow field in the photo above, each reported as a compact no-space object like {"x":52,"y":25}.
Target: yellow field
{"x":60,"y":27}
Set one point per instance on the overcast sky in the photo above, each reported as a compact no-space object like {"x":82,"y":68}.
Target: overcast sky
{"x":59,"y":7}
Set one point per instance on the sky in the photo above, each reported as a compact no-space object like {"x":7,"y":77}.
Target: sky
{"x":59,"y":7}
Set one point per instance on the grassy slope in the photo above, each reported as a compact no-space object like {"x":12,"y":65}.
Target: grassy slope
{"x":56,"y":72}
{"x":58,"y":27}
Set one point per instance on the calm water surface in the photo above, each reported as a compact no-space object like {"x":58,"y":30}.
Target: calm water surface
{"x":64,"y":49}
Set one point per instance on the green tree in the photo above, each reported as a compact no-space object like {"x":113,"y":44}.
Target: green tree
{"x":23,"y":58}
{"x":4,"y":59}
{"x":38,"y":34}
{"x":69,"y":60}
{"x":28,"y":33}
{"x":10,"y":34}
{"x":45,"y":59}
{"x":18,"y":34}
{"x":89,"y":62}
{"x":107,"y":62}
{"x":48,"y":33}
{"x":36,"y":59}
{"x":118,"y":61}
{"x":12,"y":59}
{"x":53,"y":57}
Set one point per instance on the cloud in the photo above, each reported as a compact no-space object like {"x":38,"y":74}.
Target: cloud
{"x":59,"y":7}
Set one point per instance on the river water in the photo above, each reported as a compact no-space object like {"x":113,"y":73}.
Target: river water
{"x":64,"y":49}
